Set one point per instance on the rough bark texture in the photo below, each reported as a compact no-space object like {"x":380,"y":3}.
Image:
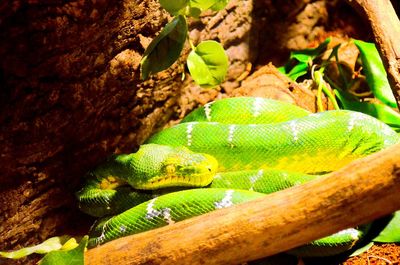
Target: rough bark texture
{"x":71,"y":93}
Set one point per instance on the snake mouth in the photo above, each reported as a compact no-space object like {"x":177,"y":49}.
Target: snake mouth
{"x":175,"y":181}
{"x":111,"y":183}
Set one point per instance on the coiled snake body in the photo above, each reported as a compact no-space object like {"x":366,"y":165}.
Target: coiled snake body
{"x":244,"y":147}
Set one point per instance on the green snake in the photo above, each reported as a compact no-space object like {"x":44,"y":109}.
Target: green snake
{"x":239,"y":149}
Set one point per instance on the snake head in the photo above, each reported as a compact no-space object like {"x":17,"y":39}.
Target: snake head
{"x":186,"y":168}
{"x":157,"y":166}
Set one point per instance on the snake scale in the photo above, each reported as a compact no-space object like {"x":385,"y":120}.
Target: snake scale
{"x":239,"y":149}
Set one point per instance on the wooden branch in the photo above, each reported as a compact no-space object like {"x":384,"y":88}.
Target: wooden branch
{"x":386,"y":29}
{"x":364,"y":190}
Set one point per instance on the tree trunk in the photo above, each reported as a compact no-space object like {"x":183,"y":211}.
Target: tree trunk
{"x":72,"y":95}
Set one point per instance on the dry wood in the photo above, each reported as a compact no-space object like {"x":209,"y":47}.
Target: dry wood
{"x":364,"y":190}
{"x":386,"y":28}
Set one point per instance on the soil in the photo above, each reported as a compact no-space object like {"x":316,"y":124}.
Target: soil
{"x":382,"y":254}
{"x":71,"y":92}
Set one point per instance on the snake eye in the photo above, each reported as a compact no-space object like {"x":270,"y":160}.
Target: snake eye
{"x":170,"y":169}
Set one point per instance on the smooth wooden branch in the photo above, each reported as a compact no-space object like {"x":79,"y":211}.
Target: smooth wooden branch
{"x":386,"y":29}
{"x":364,"y":190}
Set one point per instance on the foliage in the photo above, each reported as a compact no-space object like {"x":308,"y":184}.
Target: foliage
{"x":165,"y":49}
{"x":311,"y":62}
{"x":74,"y":256}
{"x":55,"y":248}
{"x":375,"y":73}
{"x":391,"y":232}
{"x":207,"y":63}
{"x":362,"y":249}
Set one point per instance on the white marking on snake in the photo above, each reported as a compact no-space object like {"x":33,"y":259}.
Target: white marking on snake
{"x":297,"y":183}
{"x":253,"y":179}
{"x":257,"y":106}
{"x":226,"y":201}
{"x":102,"y":237}
{"x":354,"y":233}
{"x":354,"y":118}
{"x":295,"y":130}
{"x":189,"y":130}
{"x":167,"y":215}
{"x":388,"y":132}
{"x":122,"y":229}
{"x":153,"y":213}
{"x":218,"y":176}
{"x":351,"y":122}
{"x":207,"y":110}
{"x":230,"y":135}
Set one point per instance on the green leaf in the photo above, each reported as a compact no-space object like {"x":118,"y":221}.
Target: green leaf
{"x":375,"y":73}
{"x":362,"y":249}
{"x":300,"y":61}
{"x":283,"y":69}
{"x":208,"y":64}
{"x":73,"y":256}
{"x":51,"y":244}
{"x":194,"y":12}
{"x":165,"y":49}
{"x":391,"y":233}
{"x":219,"y":5}
{"x":308,"y":55}
{"x":203,"y":4}
{"x":298,"y":70}
{"x":173,"y":7}
{"x":379,"y":111}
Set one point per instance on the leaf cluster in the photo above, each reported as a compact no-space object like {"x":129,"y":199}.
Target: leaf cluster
{"x":379,"y":102}
{"x":207,"y":63}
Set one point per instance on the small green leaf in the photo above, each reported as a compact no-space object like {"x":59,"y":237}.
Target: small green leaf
{"x":375,"y":73}
{"x":194,"y":12}
{"x":73,"y":256}
{"x":219,"y":5}
{"x":208,"y":64}
{"x":48,"y":245}
{"x":165,"y":49}
{"x":391,"y":233}
{"x":362,"y":249}
{"x":203,"y":4}
{"x":294,"y":72}
{"x":283,"y":69}
{"x":300,"y":61}
{"x":299,"y":70}
{"x":173,"y":7}
{"x":308,"y":55}
{"x":379,"y":111}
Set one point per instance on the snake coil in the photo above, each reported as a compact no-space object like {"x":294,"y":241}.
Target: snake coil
{"x":239,"y":149}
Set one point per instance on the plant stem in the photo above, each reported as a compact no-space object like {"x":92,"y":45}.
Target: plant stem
{"x":319,"y":80}
{"x":191,"y":43}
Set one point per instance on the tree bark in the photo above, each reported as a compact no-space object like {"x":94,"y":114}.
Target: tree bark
{"x":72,"y":95}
